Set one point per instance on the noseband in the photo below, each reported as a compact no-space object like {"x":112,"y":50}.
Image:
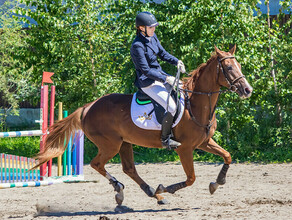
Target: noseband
{"x":230,"y":82}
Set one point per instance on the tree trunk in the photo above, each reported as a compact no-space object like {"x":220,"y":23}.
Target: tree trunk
{"x":278,"y":107}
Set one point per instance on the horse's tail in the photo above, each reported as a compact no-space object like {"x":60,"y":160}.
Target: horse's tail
{"x":58,"y":137}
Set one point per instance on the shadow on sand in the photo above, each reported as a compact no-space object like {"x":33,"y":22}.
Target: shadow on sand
{"x":117,"y":210}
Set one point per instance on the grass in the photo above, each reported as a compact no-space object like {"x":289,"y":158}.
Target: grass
{"x":29,"y":147}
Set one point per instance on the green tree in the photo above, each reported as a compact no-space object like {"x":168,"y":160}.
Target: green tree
{"x":69,"y":39}
{"x":249,"y":129}
{"x":87,"y":45}
{"x":14,"y":74}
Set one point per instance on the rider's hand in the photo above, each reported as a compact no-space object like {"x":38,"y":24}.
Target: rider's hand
{"x":181,"y":66}
{"x":180,"y":84}
{"x":170,"y":80}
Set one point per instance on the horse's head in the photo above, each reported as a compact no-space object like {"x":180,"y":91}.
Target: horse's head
{"x":230,"y":75}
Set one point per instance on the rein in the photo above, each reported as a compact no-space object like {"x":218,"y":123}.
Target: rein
{"x":211,"y":115}
{"x":232,"y":88}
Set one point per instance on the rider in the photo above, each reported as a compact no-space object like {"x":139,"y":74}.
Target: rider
{"x":150,"y":77}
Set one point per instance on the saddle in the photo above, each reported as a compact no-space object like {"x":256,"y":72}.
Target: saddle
{"x":143,"y":99}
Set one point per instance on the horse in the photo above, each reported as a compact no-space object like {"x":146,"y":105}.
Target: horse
{"x":107,"y":123}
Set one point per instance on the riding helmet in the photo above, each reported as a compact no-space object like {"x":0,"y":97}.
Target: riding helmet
{"x":146,"y":19}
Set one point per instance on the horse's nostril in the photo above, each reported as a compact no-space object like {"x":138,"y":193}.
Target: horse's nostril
{"x":247,"y":91}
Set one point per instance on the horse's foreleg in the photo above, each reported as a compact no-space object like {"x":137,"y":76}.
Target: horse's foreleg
{"x":127,"y":158}
{"x":214,"y":148}
{"x":105,"y":153}
{"x":186,"y":158}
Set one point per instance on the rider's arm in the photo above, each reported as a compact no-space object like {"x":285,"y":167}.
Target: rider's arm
{"x":140,"y":61}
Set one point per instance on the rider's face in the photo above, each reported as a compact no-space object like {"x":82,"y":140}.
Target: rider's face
{"x":150,"y":30}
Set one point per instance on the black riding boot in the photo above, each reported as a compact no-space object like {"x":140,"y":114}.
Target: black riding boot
{"x":166,"y":136}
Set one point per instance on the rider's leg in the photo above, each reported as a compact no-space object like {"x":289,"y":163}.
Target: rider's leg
{"x":166,"y":135}
{"x":159,"y":92}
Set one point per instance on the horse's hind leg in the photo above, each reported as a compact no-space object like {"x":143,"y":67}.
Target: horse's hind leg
{"x":186,"y":158}
{"x":107,"y":151}
{"x":214,"y":148}
{"x":127,"y":158}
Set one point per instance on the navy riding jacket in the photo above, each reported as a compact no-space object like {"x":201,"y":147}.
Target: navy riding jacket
{"x":144,"y":52}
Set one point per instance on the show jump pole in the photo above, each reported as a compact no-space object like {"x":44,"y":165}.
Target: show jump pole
{"x":44,"y":122}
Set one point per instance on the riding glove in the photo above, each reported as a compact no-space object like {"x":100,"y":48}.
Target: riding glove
{"x":181,"y":66}
{"x":170,"y":80}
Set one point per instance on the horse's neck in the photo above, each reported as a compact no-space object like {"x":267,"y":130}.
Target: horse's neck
{"x":207,"y":82}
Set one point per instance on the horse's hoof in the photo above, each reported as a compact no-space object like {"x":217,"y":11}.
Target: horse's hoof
{"x":213,"y":187}
{"x":148,"y":190}
{"x":119,"y":197}
{"x":162,"y":202}
{"x":160,"y":189}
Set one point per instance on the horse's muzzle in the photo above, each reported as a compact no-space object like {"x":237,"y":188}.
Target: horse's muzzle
{"x":244,"y":89}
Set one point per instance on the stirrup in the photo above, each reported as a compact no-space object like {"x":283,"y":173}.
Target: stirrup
{"x":170,"y":144}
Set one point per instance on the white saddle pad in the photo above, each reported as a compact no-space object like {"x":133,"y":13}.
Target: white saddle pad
{"x":139,"y":114}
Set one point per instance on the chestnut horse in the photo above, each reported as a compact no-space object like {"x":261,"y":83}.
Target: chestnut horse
{"x":108,"y":124}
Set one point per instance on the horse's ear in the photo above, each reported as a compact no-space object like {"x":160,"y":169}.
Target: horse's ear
{"x":232,"y":50}
{"x":218,"y":52}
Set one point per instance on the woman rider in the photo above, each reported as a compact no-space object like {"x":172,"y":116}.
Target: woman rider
{"x":150,"y":77}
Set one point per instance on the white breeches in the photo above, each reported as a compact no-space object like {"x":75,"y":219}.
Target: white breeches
{"x":159,"y":92}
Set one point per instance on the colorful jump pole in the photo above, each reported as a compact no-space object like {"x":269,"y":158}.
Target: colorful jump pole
{"x":80,"y":153}
{"x":44,"y":110}
{"x":44,"y":117}
{"x":46,"y":182}
{"x":60,"y":117}
{"x":21,"y":133}
{"x":74,"y":154}
{"x":52,"y":105}
{"x":64,"y":161}
{"x":71,"y":162}
{"x":14,"y":170}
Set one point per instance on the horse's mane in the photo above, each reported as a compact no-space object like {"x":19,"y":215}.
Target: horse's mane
{"x":195,"y":74}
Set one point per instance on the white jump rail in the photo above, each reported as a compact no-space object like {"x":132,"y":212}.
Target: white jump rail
{"x":21,"y":133}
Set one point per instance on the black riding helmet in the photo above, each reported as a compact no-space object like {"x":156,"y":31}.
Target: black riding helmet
{"x":146,"y":19}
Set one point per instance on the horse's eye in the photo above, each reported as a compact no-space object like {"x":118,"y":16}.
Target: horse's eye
{"x":229,"y":67}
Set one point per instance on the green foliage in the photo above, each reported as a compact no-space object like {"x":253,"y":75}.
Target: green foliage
{"x":70,"y":40}
{"x":14,"y":75}
{"x":255,"y":129}
{"x":141,"y":154}
{"x":87,"y":45}
{"x":21,"y":146}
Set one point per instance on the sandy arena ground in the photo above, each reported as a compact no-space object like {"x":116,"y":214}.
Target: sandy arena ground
{"x":252,"y":191}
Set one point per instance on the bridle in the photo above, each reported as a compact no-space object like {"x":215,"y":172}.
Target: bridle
{"x":232,"y":88}
{"x":230,"y":82}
